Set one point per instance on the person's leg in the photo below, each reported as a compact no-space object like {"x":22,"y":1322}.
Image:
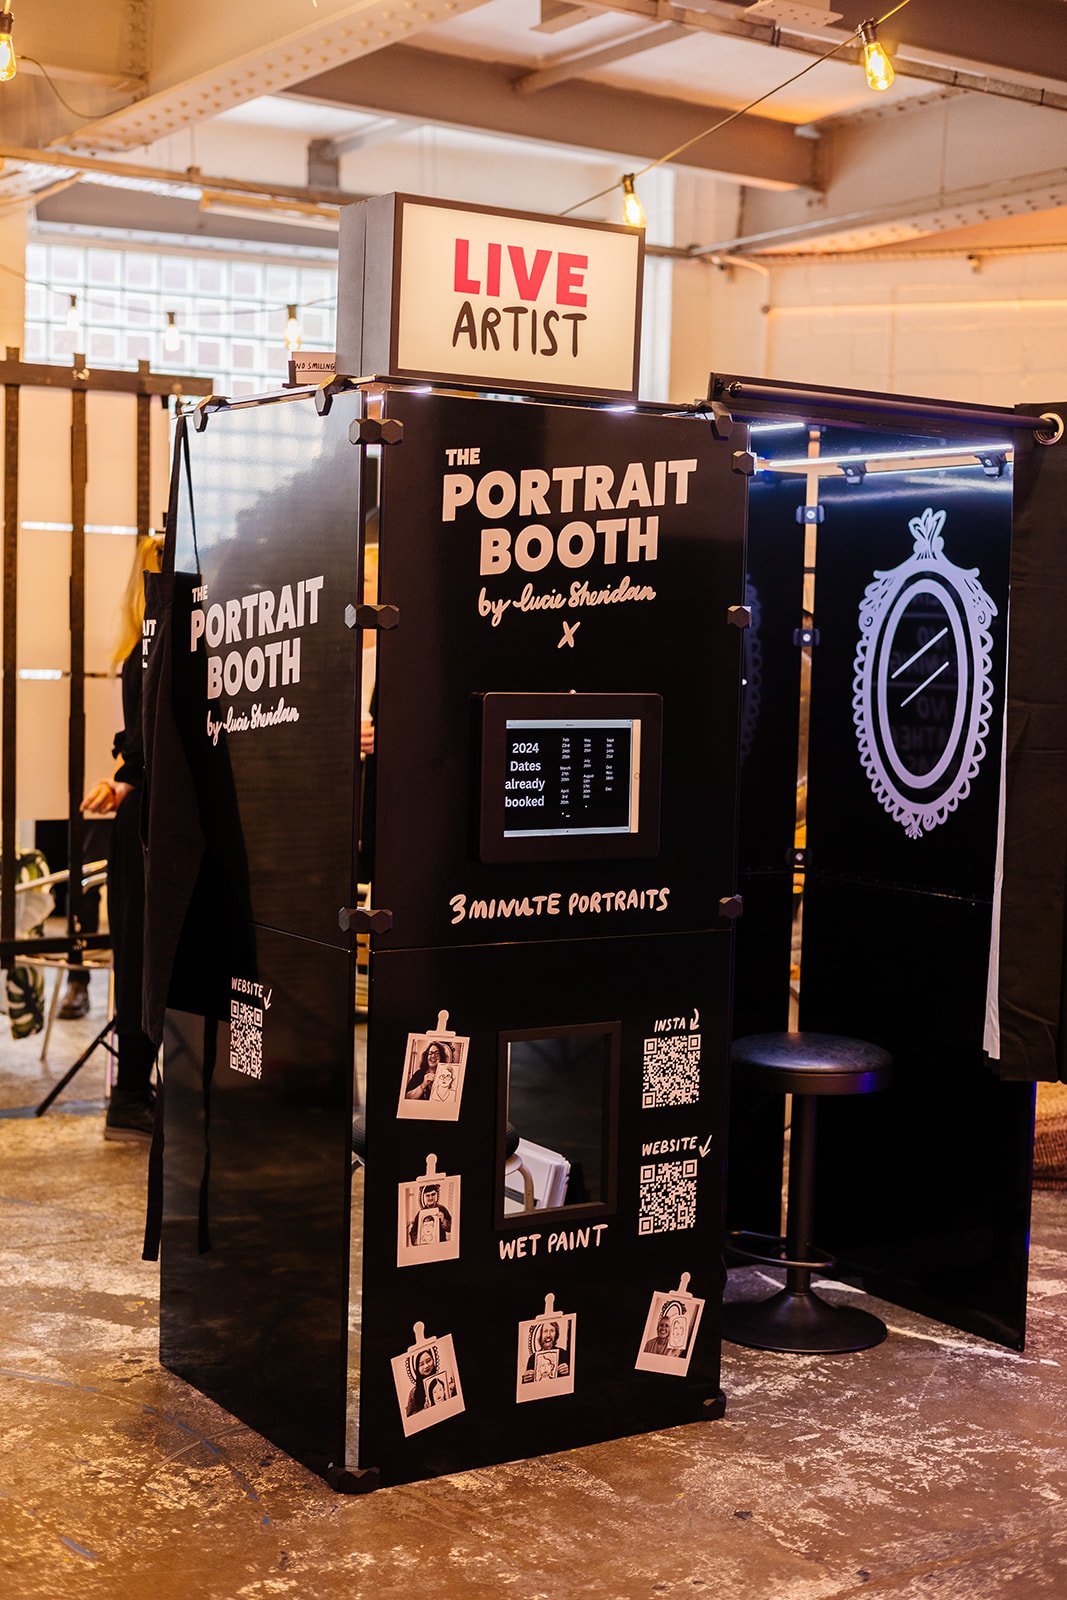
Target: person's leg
{"x":131,"y":1109}
{"x":96,"y":841}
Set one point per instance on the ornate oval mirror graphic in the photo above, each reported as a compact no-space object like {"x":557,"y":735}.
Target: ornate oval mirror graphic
{"x":922,"y":688}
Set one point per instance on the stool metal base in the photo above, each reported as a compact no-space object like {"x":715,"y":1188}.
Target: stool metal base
{"x":800,"y":1324}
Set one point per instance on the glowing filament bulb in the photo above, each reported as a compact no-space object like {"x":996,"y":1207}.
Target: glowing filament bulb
{"x":876,"y":62}
{"x":172,"y":339}
{"x":633,"y":212}
{"x":73,"y":320}
{"x":8,"y":65}
{"x":292,"y":331}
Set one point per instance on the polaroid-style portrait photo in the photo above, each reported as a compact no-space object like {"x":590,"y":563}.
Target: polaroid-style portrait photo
{"x":427,"y":1383}
{"x":428,"y":1217}
{"x":670,"y":1331}
{"x":546,"y":1354}
{"x":432,"y":1084}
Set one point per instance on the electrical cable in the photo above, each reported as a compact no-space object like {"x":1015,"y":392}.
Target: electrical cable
{"x":733,"y":116}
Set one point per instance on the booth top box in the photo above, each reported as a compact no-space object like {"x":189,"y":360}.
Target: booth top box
{"x":505,"y":300}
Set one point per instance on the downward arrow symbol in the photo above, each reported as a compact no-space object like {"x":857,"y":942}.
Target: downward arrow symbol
{"x":266,"y":999}
{"x":706,"y":1146}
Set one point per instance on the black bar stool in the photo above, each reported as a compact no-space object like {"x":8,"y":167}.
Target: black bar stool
{"x":796,"y":1319}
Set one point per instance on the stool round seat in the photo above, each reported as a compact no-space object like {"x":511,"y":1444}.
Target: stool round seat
{"x":804,"y":1065}
{"x":812,"y":1063}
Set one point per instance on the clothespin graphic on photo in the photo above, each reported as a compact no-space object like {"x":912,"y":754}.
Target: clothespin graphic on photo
{"x":442,"y":1030}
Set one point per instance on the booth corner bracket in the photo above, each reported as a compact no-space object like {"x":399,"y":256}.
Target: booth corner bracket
{"x":376,"y":430}
{"x":721,"y":420}
{"x":739,"y":616}
{"x":714,"y":1407}
{"x":327,"y":389}
{"x":363,"y":919}
{"x":353,"y":1480}
{"x":372,"y":616}
{"x":203,"y":408}
{"x":731,"y":906}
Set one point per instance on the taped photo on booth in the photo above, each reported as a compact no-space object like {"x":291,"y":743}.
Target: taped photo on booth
{"x":434,"y":1064}
{"x":670,"y":1331}
{"x":428,"y":1217}
{"x":546,"y":1354}
{"x":428,"y":1389}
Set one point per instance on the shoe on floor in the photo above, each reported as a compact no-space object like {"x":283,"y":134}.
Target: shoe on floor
{"x":131,"y":1116}
{"x":75,"y":1003}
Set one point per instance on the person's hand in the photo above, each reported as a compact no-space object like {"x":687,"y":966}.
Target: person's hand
{"x":105,"y":797}
{"x":366,"y":737}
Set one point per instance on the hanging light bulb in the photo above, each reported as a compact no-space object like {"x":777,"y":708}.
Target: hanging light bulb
{"x":633,"y":212}
{"x":172,"y":339}
{"x":73,"y":319}
{"x":292,"y":330}
{"x":876,"y":62}
{"x":8,"y":65}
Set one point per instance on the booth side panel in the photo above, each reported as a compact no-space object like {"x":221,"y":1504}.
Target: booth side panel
{"x":259,"y":1047}
{"x":1033,"y":1043}
{"x":254,"y":1256}
{"x":925,"y":1189}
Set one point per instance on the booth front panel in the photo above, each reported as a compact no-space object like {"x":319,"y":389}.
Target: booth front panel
{"x":564,"y":1040}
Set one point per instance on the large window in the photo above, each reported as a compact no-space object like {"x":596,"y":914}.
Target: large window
{"x":230,"y":310}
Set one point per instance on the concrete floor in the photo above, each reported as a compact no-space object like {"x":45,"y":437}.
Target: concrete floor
{"x":933,"y":1467}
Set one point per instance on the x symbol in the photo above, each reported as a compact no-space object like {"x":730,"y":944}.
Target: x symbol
{"x":569,"y":630}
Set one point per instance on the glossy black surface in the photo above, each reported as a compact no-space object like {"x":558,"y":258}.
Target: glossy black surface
{"x":276,"y":502}
{"x":923,"y":1191}
{"x":866,"y":532}
{"x":258,"y":1320}
{"x":1033,"y":934}
{"x":445,"y":652}
{"x":635,"y":948}
{"x":481,"y":1298}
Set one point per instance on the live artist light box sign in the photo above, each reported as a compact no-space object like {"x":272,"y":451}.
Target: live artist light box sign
{"x":503,"y":298}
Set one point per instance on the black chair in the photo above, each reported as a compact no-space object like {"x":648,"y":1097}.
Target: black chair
{"x":796,"y":1319}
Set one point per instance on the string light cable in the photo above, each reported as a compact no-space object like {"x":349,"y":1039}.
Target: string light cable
{"x":81,"y":305}
{"x":871,"y":26}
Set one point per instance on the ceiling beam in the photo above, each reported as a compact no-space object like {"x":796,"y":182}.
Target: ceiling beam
{"x":247,"y":48}
{"x":582,"y":61}
{"x":916,"y":169}
{"x":994,"y":72}
{"x":476,"y":94}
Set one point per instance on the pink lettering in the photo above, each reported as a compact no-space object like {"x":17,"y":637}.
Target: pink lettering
{"x":570,"y":276}
{"x":528,"y":281}
{"x":464,"y":283}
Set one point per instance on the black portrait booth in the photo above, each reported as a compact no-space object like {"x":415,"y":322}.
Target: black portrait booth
{"x":564,"y":684}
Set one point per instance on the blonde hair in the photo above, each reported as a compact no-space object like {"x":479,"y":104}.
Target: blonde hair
{"x":148,"y":557}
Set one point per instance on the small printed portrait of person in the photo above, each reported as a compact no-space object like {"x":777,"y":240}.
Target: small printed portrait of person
{"x":428,"y":1219}
{"x":427,"y":1384}
{"x":433,"y":1077}
{"x":546,"y":1357}
{"x":670,"y":1332}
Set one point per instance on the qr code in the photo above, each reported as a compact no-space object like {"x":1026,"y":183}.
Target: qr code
{"x":671,"y":1070}
{"x":246,"y":1039}
{"x":668,"y":1197}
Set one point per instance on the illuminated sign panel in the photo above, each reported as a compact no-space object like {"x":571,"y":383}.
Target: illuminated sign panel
{"x":498,"y":298}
